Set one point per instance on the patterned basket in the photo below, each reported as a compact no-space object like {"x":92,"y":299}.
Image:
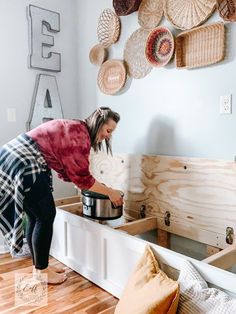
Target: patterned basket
{"x":186,"y":14}
{"x":111,"y":76}
{"x":108,"y":28}
{"x":159,"y":46}
{"x":134,"y":54}
{"x":150,"y":13}
{"x":126,"y":7}
{"x":201,"y":46}
{"x":227,"y":9}
{"x":98,"y":54}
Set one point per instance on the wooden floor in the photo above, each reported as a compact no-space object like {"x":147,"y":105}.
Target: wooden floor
{"x":75,"y":295}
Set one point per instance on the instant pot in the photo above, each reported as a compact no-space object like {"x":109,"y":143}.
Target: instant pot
{"x":99,"y":206}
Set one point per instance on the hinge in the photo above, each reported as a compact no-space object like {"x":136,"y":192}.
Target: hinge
{"x":229,"y":235}
{"x":167,"y":218}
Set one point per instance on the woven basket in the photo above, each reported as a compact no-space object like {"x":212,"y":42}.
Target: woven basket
{"x":98,"y":54}
{"x":126,"y":7}
{"x":150,"y":13}
{"x":186,"y":14}
{"x":134,"y":54}
{"x":111,"y":76}
{"x":159,"y":46}
{"x":201,"y":46}
{"x":227,"y":9}
{"x":108,"y":28}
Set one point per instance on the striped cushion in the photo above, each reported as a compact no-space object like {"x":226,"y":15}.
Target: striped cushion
{"x":197,"y":298}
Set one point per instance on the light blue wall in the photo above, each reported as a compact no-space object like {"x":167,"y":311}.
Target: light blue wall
{"x":170,"y":111}
{"x":173,"y":112}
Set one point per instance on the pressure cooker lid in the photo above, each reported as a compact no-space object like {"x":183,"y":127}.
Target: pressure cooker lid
{"x":94,"y":195}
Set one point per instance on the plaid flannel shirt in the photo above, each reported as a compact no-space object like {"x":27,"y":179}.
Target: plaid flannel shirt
{"x":20,"y":163}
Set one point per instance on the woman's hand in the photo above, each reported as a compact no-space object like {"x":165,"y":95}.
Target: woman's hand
{"x":115,"y":197}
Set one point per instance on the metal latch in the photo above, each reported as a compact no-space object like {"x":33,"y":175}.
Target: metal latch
{"x":167,"y":218}
{"x":229,"y":235}
{"x":142,"y":211}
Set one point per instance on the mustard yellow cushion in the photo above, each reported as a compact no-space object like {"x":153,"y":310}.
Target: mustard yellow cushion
{"x":149,"y":290}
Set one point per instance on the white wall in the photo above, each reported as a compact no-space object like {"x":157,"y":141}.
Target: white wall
{"x":17,"y":81}
{"x":170,"y":111}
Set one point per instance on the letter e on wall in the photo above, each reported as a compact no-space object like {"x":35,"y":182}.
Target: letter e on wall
{"x":41,"y":23}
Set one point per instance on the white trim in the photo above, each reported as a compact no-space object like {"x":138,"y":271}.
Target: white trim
{"x":107,"y":257}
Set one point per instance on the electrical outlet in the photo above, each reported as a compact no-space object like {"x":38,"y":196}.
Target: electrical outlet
{"x":225,"y":104}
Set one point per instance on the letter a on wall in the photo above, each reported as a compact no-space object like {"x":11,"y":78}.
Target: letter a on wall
{"x":42,"y":22}
{"x":46,"y":104}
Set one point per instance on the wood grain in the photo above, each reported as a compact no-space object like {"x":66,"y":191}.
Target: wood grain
{"x":67,"y":200}
{"x":200,"y":194}
{"x":163,"y":238}
{"x":139,"y":226}
{"x":223,"y":259}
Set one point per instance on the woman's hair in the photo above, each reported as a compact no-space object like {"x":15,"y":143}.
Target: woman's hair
{"x":95,"y":121}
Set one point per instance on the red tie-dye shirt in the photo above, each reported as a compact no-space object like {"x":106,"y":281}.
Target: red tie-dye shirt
{"x":65,"y":145}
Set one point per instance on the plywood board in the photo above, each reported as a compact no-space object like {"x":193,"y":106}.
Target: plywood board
{"x":200,"y":194}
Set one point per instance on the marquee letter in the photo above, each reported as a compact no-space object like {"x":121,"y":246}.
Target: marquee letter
{"x":39,"y":19}
{"x":46,"y":104}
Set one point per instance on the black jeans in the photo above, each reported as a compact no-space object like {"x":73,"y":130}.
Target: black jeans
{"x":40,"y":209}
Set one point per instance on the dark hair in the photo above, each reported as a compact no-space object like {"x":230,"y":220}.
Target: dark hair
{"x":95,"y":121}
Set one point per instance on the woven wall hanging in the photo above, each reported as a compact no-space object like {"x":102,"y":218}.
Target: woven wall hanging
{"x":159,"y":46}
{"x":227,"y":9}
{"x":111,"y":76}
{"x":150,"y":13}
{"x":125,"y":7}
{"x":98,"y":54}
{"x":134,"y":54}
{"x":108,"y":30}
{"x":186,"y":14}
{"x":200,"y":46}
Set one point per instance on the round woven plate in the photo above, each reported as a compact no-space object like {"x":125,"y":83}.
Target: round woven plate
{"x":227,"y":10}
{"x":186,"y":14}
{"x":108,"y":28}
{"x":111,"y":76}
{"x":150,"y":13}
{"x":97,"y":54}
{"x":134,"y":54}
{"x":125,"y":7}
{"x":159,"y":46}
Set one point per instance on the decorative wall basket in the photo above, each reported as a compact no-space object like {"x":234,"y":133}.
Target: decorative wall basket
{"x":134,"y":54}
{"x":108,"y":30}
{"x":111,"y":76}
{"x":126,"y":7}
{"x":227,"y":9}
{"x":150,"y":13}
{"x":186,"y":14}
{"x":201,"y":46}
{"x":159,"y":46}
{"x":98,"y":54}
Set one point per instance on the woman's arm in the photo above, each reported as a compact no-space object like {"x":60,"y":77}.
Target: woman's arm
{"x":115,"y":196}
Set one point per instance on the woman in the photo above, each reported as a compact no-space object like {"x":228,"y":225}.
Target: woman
{"x":25,"y":179}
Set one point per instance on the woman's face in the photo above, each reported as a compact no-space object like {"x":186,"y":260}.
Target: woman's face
{"x":106,"y":130}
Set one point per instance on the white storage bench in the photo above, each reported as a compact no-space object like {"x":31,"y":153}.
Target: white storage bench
{"x":190,"y":197}
{"x":106,"y":256}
